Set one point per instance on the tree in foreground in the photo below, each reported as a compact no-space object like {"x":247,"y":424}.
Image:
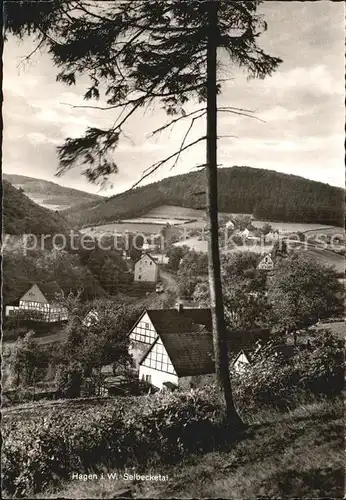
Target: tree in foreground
{"x":243,"y":290}
{"x":95,"y":336}
{"x":302,"y":291}
{"x":136,"y":53}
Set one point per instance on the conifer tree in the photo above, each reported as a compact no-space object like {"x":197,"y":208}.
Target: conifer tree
{"x":139,"y":52}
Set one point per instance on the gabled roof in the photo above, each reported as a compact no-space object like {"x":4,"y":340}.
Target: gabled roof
{"x":191,"y":353}
{"x":174,"y":321}
{"x":246,"y":353}
{"x":146,"y":255}
{"x":50,"y":290}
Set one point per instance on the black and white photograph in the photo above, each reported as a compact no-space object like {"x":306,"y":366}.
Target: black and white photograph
{"x":173,"y":249}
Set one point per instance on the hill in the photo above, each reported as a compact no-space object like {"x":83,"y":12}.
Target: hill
{"x":49,"y":194}
{"x":266,"y":194}
{"x":23,"y":216}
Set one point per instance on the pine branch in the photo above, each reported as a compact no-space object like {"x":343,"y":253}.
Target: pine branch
{"x":175,"y":120}
{"x":185,"y":137}
{"x":159,"y":164}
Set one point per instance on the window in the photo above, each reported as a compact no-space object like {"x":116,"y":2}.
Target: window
{"x":139,"y":276}
{"x":151,"y":263}
{"x":147,"y":326}
{"x":148,"y":378}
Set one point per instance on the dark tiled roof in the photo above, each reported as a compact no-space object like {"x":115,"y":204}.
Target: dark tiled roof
{"x":174,"y":321}
{"x":50,"y":290}
{"x":190,"y":353}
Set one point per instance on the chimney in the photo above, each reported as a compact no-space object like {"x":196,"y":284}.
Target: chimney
{"x":180,"y":307}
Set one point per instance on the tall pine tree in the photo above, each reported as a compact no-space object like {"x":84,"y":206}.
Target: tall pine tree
{"x":135,"y":53}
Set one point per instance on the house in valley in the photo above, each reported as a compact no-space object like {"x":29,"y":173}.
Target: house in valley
{"x":241,"y":361}
{"x":154,"y":322}
{"x":146,"y":269}
{"x":179,"y":359}
{"x":266,"y":263}
{"x":40,"y":303}
{"x":174,"y":347}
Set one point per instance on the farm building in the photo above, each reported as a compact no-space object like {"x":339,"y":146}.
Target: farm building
{"x":40,"y":302}
{"x":146,"y":269}
{"x":91,"y":318}
{"x":241,"y":360}
{"x":266,"y":263}
{"x":174,"y":347}
{"x":179,"y":359}
{"x":153,"y":323}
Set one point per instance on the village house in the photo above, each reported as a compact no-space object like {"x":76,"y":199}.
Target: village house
{"x":154,"y":322}
{"x":174,"y":347}
{"x":146,"y":270}
{"x":241,"y":360}
{"x":266,"y":263}
{"x":40,"y":302}
{"x":179,"y":359}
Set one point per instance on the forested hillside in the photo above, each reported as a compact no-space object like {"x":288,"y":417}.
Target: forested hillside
{"x":268,"y":195}
{"x":22,"y":216}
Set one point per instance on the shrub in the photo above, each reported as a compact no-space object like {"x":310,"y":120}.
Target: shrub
{"x":133,"y":431}
{"x":314,"y":370}
{"x":69,"y":380}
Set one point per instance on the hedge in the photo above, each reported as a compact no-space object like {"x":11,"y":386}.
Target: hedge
{"x":38,"y":452}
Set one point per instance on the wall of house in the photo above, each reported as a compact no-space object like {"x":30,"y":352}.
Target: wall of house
{"x":146,"y":270}
{"x":158,"y":366}
{"x":196,"y":381}
{"x":141,"y":338}
{"x":157,"y":377}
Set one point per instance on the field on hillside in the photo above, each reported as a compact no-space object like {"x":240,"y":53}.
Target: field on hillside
{"x":155,"y":219}
{"x":294,"y":227}
{"x":158,"y":220}
{"x":325,"y":257}
{"x":122,"y":228}
{"x":174,"y":212}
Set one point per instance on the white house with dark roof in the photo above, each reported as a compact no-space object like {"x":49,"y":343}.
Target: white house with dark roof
{"x":181,"y":358}
{"x":266,"y":263}
{"x":241,"y":361}
{"x":41,"y":303}
{"x":174,"y":347}
{"x":146,"y":269}
{"x":152,"y":323}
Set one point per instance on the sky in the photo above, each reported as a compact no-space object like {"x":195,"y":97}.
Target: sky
{"x":302,"y":105}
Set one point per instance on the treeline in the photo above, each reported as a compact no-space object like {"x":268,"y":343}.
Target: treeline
{"x":266,"y":194}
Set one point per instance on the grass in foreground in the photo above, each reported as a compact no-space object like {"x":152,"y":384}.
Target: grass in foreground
{"x":293,"y":455}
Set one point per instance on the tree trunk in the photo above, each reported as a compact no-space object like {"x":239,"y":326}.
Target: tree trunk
{"x":216,"y":301}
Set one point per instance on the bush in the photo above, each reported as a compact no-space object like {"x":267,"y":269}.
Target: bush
{"x":69,"y":380}
{"x":315,"y":370}
{"x":133,"y":431}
